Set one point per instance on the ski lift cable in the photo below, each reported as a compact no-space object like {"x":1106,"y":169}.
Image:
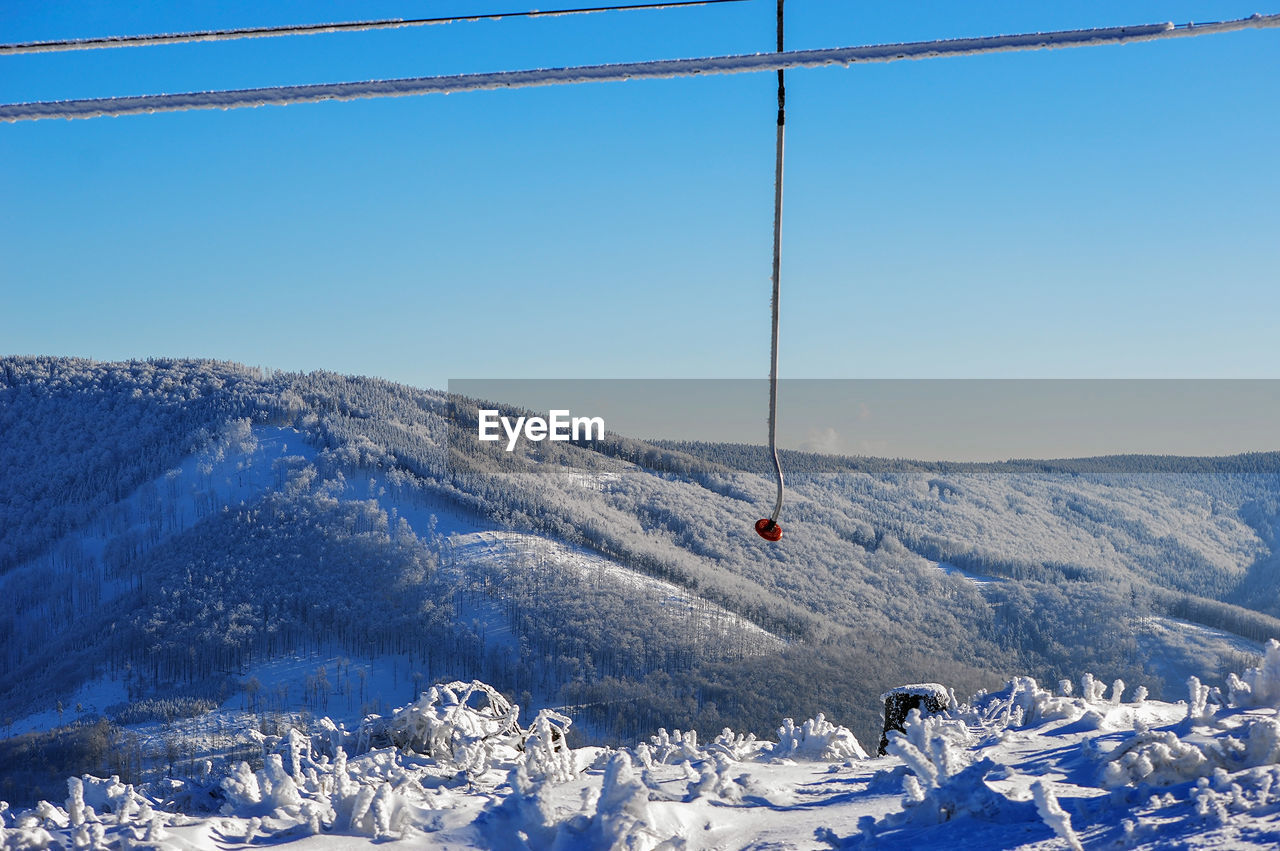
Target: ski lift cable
{"x":768,"y":527}
{"x":659,"y":69}
{"x":317,"y":29}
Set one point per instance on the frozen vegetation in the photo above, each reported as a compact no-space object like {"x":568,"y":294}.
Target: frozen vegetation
{"x":1019,"y":767}
{"x":196,"y":557}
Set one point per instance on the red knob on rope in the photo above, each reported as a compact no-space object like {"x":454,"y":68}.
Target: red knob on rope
{"x":768,"y":529}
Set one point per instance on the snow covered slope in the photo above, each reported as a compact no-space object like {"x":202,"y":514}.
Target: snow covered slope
{"x":191,"y":549}
{"x":1017,"y":768}
{"x":246,"y":462}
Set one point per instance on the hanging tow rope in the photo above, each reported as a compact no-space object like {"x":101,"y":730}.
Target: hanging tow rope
{"x":768,"y":527}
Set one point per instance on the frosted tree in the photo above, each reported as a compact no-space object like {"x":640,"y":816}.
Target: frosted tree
{"x":1259,"y":686}
{"x":547,"y":753}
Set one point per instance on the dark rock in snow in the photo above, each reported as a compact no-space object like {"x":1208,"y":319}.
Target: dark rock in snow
{"x":929,"y":698}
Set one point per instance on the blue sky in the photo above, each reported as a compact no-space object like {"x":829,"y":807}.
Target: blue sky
{"x":1098,"y":212}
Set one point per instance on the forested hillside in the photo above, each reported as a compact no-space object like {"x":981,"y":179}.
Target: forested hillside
{"x":172,"y":527}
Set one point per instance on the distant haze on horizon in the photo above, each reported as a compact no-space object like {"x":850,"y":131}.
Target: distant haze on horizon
{"x":925,"y":419}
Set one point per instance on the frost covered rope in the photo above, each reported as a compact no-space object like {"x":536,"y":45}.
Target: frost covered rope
{"x":316,"y":29}
{"x":767,"y":527}
{"x":665,"y":68}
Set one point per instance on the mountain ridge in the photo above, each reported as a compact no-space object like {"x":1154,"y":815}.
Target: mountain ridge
{"x":855,"y":593}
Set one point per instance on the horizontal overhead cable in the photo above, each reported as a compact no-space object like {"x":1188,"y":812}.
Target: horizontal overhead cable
{"x":317,"y":29}
{"x":281,"y":95}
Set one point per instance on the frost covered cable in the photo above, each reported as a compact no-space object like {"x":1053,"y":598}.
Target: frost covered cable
{"x":777,"y":278}
{"x":315,"y":29}
{"x":664,"y":68}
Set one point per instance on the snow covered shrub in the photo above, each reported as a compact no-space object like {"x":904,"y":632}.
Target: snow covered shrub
{"x":1161,"y":758}
{"x":1020,"y":702}
{"x":1224,"y":794}
{"x":547,"y":754}
{"x":458,"y":723}
{"x":962,"y":795}
{"x":190,"y":795}
{"x":241,"y":789}
{"x":51,"y":816}
{"x":1254,"y":744}
{"x":1051,"y":811}
{"x":278,"y":788}
{"x":1263,"y":744}
{"x":341,"y":787}
{"x":524,"y":819}
{"x":818,"y":738}
{"x":328,"y":738}
{"x":295,"y":749}
{"x":623,"y":817}
{"x":26,"y":835}
{"x":736,"y":747}
{"x":1091,"y":690}
{"x":714,"y":781}
{"x":110,"y":795}
{"x":155,"y":833}
{"x":90,"y":836}
{"x":385,"y":814}
{"x":1198,"y":705}
{"x":643,"y":754}
{"x":1156,"y":758}
{"x":933,"y":748}
{"x":1259,"y":686}
{"x":674,"y":748}
{"x":75,"y":801}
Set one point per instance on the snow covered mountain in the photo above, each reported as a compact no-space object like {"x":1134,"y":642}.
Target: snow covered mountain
{"x":192,"y":553}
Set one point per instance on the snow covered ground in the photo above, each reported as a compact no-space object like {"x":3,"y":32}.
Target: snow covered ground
{"x":1019,"y":768}
{"x":952,"y":570}
{"x":1175,"y":646}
